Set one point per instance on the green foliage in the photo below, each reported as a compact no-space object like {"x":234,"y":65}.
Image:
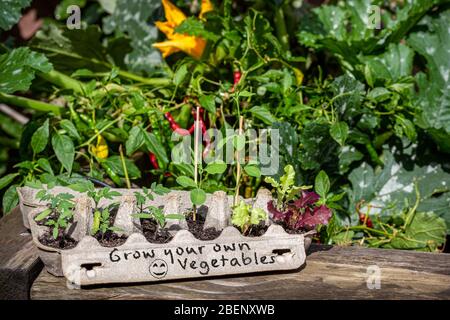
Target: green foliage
{"x":391,"y":190}
{"x":285,"y":188}
{"x":245,"y":216}
{"x":433,"y":99}
{"x":152,"y":212}
{"x":10,"y":12}
{"x":18,"y":68}
{"x":59,"y":213}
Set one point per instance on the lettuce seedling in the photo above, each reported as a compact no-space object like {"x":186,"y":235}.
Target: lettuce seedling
{"x":296,"y":208}
{"x":245,"y":216}
{"x":285,"y":189}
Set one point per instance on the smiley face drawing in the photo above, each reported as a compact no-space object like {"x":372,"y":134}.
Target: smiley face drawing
{"x":158,"y":269}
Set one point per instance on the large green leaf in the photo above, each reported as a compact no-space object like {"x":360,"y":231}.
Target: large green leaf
{"x":316,"y":145}
{"x":395,"y":63}
{"x":391,"y":190}
{"x":433,"y":99}
{"x":10,"y":12}
{"x":71,"y":50}
{"x":426,"y":232}
{"x":131,"y":18}
{"x":345,"y":30}
{"x":18,"y":67}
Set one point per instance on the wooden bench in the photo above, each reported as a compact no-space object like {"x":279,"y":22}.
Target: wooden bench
{"x":19,"y":261}
{"x":329,"y":273}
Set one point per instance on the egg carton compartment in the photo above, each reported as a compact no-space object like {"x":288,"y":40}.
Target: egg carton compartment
{"x":184,"y":256}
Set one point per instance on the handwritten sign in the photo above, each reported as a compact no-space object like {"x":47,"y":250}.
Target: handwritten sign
{"x":140,"y":261}
{"x":201,"y":259}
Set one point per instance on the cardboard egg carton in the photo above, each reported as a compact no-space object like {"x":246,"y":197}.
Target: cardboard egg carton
{"x":184,"y":256}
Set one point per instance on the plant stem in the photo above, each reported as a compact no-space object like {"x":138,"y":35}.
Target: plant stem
{"x":149,"y":81}
{"x":63,"y":81}
{"x":29,"y":103}
{"x":122,"y":159}
{"x":238,"y":164}
{"x":196,"y":143}
{"x":280,"y":25}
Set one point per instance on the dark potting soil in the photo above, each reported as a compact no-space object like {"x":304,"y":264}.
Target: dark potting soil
{"x":59,"y":243}
{"x":152,"y":233}
{"x":110,"y":239}
{"x":289,"y":230}
{"x":258,"y":230}
{"x":196,"y":227}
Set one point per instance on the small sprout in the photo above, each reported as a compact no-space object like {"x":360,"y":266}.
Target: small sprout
{"x":285,"y":189}
{"x":152,"y":212}
{"x":245,"y":216}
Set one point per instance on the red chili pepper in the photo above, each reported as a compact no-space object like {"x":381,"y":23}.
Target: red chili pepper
{"x":175,"y":126}
{"x":153,"y":160}
{"x":362,"y":218}
{"x":236,"y":78}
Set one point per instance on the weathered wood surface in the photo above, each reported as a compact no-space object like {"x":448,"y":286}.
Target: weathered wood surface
{"x":19,"y":261}
{"x":330,"y":273}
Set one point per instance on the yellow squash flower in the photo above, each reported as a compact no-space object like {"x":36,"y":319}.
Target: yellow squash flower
{"x":101,"y":149}
{"x":191,"y":45}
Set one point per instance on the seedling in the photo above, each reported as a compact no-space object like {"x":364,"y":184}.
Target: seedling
{"x":245,"y":217}
{"x":297,"y":208}
{"x":152,"y":212}
{"x":59,"y":213}
{"x":101,"y":215}
{"x":285,"y":189}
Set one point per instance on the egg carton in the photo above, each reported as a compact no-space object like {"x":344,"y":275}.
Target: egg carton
{"x":184,"y":256}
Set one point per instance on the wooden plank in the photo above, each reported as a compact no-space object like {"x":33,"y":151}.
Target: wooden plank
{"x":19,"y":261}
{"x":330,"y":273}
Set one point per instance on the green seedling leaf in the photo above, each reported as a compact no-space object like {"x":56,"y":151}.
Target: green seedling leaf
{"x":216,"y":168}
{"x":252,"y":171}
{"x":198,"y":196}
{"x":186,"y":182}
{"x":44,"y":214}
{"x":174,"y":216}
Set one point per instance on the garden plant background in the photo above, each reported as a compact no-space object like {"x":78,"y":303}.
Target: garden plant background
{"x":362,"y":106}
